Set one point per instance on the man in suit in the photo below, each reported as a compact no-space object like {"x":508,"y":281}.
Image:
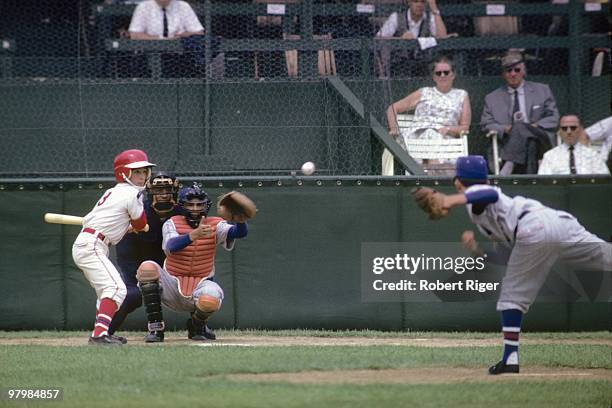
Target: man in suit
{"x":524,"y":114}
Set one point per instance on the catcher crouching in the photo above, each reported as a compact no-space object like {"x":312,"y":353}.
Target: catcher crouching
{"x":186,"y":282}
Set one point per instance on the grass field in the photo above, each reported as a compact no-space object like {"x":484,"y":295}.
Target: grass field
{"x":311,"y":369}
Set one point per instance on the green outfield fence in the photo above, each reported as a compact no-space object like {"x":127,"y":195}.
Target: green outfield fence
{"x":300,"y":265}
{"x":227,"y":111}
{"x":74,"y":91}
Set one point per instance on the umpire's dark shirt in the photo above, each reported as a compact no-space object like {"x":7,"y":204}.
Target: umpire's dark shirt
{"x":134,"y":249}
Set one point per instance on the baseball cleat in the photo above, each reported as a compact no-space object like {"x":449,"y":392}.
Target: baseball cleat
{"x":104,"y":340}
{"x":503,"y":368}
{"x":122,"y":339}
{"x":155,"y":337}
{"x":199,"y":333}
{"x":205,"y":334}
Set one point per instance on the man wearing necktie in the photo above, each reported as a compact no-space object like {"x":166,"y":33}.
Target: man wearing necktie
{"x":164,"y":19}
{"x":523,"y":114}
{"x":168,"y":20}
{"x":572,"y":157}
{"x":165,"y":34}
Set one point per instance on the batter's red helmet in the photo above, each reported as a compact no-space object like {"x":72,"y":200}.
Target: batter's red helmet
{"x":128,"y":160}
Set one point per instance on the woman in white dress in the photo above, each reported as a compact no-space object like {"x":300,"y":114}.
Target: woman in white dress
{"x":440,"y":112}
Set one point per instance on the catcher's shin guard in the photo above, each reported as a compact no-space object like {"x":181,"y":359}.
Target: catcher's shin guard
{"x":151,"y":297}
{"x":148,"y":277}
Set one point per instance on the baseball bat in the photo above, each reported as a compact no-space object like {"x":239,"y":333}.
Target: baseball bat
{"x":63,"y":219}
{"x":53,"y":218}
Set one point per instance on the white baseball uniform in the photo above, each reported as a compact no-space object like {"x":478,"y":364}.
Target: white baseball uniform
{"x":171,"y":294}
{"x":104,"y":225}
{"x":538,"y":236}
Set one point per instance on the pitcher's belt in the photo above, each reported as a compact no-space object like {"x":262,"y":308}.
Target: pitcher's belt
{"x":524,"y":213}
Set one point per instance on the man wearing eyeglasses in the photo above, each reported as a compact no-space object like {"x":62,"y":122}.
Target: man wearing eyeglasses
{"x":571,"y":157}
{"x":523,"y":114}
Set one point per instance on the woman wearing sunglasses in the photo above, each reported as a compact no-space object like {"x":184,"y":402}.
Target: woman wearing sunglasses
{"x":440,"y":111}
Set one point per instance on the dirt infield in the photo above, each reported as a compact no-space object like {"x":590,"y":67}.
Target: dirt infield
{"x":428,"y":375}
{"x":176,"y":339}
{"x":423,"y":375}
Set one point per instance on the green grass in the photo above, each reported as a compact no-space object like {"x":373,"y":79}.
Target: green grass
{"x":331,"y":334}
{"x":187,"y":376}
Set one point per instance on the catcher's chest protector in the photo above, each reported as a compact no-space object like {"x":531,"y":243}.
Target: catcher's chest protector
{"x":194,"y":262}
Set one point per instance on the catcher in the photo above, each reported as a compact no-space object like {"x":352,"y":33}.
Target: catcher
{"x":535,"y":234}
{"x":186,"y":282}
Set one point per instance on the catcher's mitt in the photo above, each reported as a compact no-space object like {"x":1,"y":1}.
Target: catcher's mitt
{"x":430,"y":201}
{"x":235,"y":206}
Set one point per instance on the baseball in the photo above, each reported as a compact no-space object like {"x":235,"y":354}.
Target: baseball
{"x":308,"y":168}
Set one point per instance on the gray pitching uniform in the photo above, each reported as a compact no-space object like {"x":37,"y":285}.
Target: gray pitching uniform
{"x":538,"y":236}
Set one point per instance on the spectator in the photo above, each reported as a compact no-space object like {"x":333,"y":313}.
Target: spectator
{"x":409,"y":24}
{"x":600,"y":132}
{"x":164,"y":19}
{"x":120,"y":23}
{"x":175,"y":19}
{"x":523,"y":114}
{"x":571,"y":157}
{"x":439,"y":112}
{"x":419,"y":20}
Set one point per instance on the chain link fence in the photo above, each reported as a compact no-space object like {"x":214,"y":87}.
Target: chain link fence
{"x":259,"y":87}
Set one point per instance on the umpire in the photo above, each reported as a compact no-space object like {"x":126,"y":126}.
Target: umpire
{"x":134,"y":249}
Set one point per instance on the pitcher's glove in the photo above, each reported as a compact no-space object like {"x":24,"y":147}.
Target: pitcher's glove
{"x":430,"y":201}
{"x":235,"y":207}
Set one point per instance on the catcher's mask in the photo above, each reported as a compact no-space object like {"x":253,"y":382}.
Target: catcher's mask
{"x":162,"y":190}
{"x":194,"y":204}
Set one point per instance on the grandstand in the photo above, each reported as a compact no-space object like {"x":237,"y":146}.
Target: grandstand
{"x":76,"y":90}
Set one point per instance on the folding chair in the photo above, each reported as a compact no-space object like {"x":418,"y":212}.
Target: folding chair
{"x":495,"y":160}
{"x":431,"y":151}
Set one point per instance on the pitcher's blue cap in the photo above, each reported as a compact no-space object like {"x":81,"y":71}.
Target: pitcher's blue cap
{"x":472,"y":168}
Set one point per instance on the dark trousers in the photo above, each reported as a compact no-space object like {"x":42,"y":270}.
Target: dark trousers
{"x":524,"y":146}
{"x":133,"y":299}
